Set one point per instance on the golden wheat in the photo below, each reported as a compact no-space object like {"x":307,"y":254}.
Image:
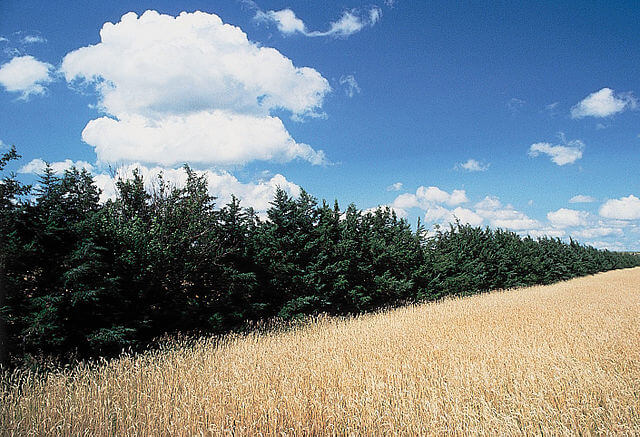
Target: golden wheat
{"x":560,"y":359}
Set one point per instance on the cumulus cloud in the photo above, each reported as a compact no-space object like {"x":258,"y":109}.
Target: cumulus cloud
{"x":603,"y":103}
{"x":162,"y":76}
{"x":427,"y":199}
{"x":625,"y":208}
{"x":25,"y":75}
{"x":559,"y":154}
{"x":472,"y":165}
{"x":350,"y":85}
{"x":37,"y":166}
{"x":350,"y":22}
{"x":426,"y":195}
{"x":564,"y":217}
{"x":598,"y":232}
{"x":581,"y":198}
{"x":395,"y":187}
{"x":219,"y":137}
{"x":487,"y":211}
{"x":446,"y":216}
{"x":504,"y":216}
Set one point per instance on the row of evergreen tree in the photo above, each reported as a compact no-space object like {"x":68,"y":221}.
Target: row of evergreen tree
{"x":80,"y":278}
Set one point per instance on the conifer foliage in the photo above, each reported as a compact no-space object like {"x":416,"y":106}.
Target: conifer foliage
{"x":82,"y":279}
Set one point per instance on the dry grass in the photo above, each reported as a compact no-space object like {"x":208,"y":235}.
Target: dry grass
{"x":561,"y":359}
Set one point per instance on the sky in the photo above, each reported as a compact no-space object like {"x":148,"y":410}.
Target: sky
{"x":518,"y":115}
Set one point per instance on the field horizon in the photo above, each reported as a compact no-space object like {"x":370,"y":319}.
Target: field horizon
{"x":560,"y":359}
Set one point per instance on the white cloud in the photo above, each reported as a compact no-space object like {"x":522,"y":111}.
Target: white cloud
{"x":406,"y":201}
{"x":349,"y":23}
{"x":26,"y":75}
{"x":158,"y":75}
{"x":599,"y":231}
{"x":608,"y":245}
{"x":436,"y":195}
{"x":472,"y":165}
{"x":37,"y":166}
{"x":395,"y":187}
{"x":603,"y":103}
{"x":374,"y":15}
{"x":564,"y":217}
{"x":625,"y":208}
{"x":560,"y":154}
{"x":427,"y":197}
{"x":445,"y":216}
{"x":489,"y":203}
{"x":506,"y":217}
{"x":581,"y":198}
{"x":543,"y":232}
{"x":351,"y":87}
{"x":221,"y":184}
{"x":218,"y":137}
{"x":285,"y":20}
{"x":3,"y":39}
{"x":32,"y":39}
{"x":431,"y":199}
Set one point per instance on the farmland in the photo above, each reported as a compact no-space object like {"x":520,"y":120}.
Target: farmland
{"x":562,"y":359}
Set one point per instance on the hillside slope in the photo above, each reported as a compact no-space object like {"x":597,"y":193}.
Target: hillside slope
{"x":562,"y":358}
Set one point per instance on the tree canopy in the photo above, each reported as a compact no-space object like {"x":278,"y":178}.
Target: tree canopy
{"x":82,"y":279}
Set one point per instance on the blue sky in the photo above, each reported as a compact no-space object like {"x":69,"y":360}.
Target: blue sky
{"x":521,"y":115}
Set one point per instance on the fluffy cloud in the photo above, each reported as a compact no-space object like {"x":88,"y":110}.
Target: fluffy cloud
{"x":37,"y":166}
{"x":165,"y":75}
{"x":560,"y":154}
{"x":350,"y":85}
{"x":625,"y":208}
{"x":25,"y":75}
{"x":564,"y":217}
{"x":349,"y":23}
{"x":189,"y":138}
{"x":285,"y":20}
{"x":426,"y":195}
{"x":603,"y":103}
{"x":581,"y":198}
{"x":221,"y":184}
{"x":506,"y":217}
{"x":599,"y":231}
{"x":472,"y":165}
{"x":445,"y":216}
{"x":429,"y":199}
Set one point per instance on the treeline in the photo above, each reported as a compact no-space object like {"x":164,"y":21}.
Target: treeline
{"x":80,"y":278}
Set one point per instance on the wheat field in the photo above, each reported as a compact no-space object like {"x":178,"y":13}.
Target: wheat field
{"x":559,"y":359}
